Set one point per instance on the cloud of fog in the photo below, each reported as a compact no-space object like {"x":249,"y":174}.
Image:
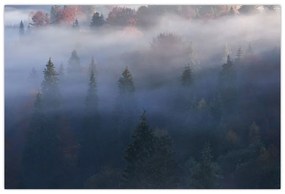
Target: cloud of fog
{"x":112,"y":47}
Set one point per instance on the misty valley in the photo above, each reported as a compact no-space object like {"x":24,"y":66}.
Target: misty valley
{"x":142,"y":96}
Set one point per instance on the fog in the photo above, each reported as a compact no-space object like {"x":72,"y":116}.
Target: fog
{"x":156,"y":69}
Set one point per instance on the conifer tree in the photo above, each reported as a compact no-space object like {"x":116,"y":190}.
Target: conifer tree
{"x":149,"y":157}
{"x":187,"y":76}
{"x":41,"y":157}
{"x":50,"y":90}
{"x":126,"y":84}
{"x":74,"y":63}
{"x":21,"y":28}
{"x":91,"y":98}
{"x":228,"y":73}
{"x":228,"y":84}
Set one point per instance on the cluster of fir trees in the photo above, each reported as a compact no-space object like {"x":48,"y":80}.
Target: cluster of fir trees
{"x":150,"y":162}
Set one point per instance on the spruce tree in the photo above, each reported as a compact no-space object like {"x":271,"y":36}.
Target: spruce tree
{"x":74,"y":63}
{"x":91,"y":98}
{"x":126,"y":84}
{"x":186,"y":78}
{"x":138,"y":152}
{"x":50,"y":90}
{"x":41,"y":156}
{"x":149,"y":157}
{"x":21,"y":28}
{"x":228,"y":91}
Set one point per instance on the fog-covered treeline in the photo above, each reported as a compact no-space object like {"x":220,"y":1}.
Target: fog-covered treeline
{"x":147,"y":97}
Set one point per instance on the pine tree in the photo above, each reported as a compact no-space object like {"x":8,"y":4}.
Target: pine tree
{"x":91,"y":98}
{"x":149,"y":157}
{"x":205,"y":173}
{"x":126,"y":84}
{"x":74,"y":63}
{"x":228,"y":84}
{"x":21,"y":28}
{"x":50,"y":90}
{"x":97,"y":20}
{"x":227,"y":72}
{"x":187,"y":76}
{"x":138,"y":152}
{"x":41,"y":157}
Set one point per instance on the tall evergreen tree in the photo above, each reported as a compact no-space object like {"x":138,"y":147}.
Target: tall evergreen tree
{"x":89,"y":159}
{"x":91,"y":98}
{"x":150,"y":162}
{"x":186,"y":77}
{"x":50,"y":90}
{"x":74,"y":63}
{"x":21,"y":28}
{"x":228,"y":84}
{"x":126,"y":84}
{"x":227,"y":73}
{"x":41,"y":157}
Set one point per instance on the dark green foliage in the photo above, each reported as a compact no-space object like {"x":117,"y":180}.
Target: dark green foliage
{"x":126,"y":84}
{"x":205,"y":173}
{"x":186,"y":78}
{"x":150,"y":162}
{"x":50,"y":90}
{"x":21,"y":28}
{"x":97,"y":20}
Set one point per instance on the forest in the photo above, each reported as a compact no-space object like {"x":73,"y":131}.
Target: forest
{"x":143,"y":97}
